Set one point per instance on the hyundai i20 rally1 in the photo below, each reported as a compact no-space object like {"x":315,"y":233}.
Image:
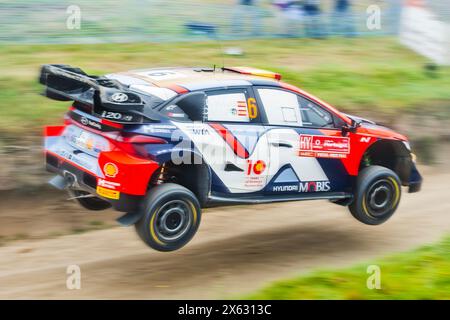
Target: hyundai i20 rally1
{"x":161,"y":144}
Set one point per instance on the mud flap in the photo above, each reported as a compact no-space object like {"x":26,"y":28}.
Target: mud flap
{"x":129,"y":218}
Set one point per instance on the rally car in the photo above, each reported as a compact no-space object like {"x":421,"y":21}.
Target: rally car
{"x":160,"y":144}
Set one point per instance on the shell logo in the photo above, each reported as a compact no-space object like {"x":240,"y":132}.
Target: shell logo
{"x":110,"y":170}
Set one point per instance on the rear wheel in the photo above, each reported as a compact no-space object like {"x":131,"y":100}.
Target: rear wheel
{"x":88,"y":202}
{"x":170,"y":217}
{"x":376,"y":196}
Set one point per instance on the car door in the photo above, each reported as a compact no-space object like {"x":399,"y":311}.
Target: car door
{"x":232,"y":142}
{"x":305,"y":145}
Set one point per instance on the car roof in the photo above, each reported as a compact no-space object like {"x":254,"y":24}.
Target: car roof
{"x":198,"y":78}
{"x":184,"y":79}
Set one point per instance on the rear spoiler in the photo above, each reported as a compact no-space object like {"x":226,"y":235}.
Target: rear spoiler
{"x":66,"y":83}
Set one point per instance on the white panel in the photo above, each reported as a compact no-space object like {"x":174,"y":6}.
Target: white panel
{"x":306,"y":168}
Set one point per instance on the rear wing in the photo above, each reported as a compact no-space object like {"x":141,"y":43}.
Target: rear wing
{"x":102,"y":95}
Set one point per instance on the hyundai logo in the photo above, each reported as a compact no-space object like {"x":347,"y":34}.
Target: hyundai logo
{"x":84,"y":121}
{"x":119,"y":97}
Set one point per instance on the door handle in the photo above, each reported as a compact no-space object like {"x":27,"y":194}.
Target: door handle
{"x":232,"y":167}
{"x":280,"y":144}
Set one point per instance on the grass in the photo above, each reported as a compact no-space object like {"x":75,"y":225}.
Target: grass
{"x":420,"y":274}
{"x":365,"y":73}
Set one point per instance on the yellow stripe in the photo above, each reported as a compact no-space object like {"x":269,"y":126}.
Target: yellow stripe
{"x":108,"y":193}
{"x":152,"y":229}
{"x":365,"y":207}
{"x":194,"y":212}
{"x":397,"y":191}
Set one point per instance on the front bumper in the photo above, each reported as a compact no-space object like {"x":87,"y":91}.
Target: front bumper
{"x":415,"y":180}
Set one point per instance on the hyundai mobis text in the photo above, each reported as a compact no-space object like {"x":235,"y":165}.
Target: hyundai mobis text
{"x":161,"y":144}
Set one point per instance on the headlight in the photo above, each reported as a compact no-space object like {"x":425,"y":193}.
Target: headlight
{"x":406,"y":143}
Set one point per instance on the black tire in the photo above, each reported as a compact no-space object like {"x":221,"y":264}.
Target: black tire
{"x":91,"y":203}
{"x":377,"y":195}
{"x":171,"y":215}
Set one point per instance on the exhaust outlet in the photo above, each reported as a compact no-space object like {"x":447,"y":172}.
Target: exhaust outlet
{"x":71,"y":180}
{"x":66,"y":181}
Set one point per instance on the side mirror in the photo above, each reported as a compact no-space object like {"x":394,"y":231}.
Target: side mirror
{"x":353,"y":127}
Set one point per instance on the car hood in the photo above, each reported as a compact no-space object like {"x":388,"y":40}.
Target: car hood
{"x":371,"y":128}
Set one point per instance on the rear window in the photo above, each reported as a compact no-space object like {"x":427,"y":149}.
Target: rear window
{"x":174,"y":112}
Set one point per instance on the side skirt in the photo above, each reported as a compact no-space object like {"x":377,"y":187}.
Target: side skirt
{"x":222,"y":199}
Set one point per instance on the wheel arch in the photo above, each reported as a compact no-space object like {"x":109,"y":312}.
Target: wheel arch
{"x":392,"y":154}
{"x":189,"y":170}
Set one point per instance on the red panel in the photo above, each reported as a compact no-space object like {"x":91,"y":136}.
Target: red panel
{"x":358,"y":145}
{"x":178,"y":89}
{"x":231,"y":140}
{"x":53,"y":131}
{"x":112,"y":124}
{"x":316,"y":100}
{"x":132,"y":173}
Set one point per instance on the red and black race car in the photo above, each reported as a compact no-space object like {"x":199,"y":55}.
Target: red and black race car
{"x":160,"y":144}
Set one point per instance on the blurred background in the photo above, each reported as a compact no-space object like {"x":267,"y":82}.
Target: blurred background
{"x":384,"y":60}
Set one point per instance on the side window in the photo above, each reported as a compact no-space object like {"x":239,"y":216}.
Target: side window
{"x":281,"y":107}
{"x":174,"y":112}
{"x":314,"y":115}
{"x":227,"y":106}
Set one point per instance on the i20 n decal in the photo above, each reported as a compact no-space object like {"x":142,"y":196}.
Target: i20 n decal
{"x":159,"y":145}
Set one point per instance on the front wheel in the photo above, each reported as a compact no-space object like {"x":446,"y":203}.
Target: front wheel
{"x":170,"y":217}
{"x":376,"y":196}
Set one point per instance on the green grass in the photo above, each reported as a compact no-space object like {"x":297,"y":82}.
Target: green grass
{"x":370,"y":73}
{"x":420,"y":274}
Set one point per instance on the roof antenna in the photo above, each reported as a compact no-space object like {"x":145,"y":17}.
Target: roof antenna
{"x":215,"y":36}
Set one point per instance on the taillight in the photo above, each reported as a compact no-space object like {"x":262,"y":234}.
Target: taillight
{"x":134,"y":143}
{"x":141,"y":139}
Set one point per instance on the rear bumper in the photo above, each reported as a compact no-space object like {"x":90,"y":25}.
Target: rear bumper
{"x":115,"y":176}
{"x":88,"y":182}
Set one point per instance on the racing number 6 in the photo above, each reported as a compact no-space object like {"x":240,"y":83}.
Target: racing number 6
{"x":252,"y":108}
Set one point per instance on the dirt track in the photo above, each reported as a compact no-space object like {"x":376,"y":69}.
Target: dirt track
{"x":236,"y":250}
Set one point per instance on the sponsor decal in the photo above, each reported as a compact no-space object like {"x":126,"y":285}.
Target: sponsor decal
{"x":90,"y":123}
{"x":241,"y":109}
{"x":119,"y":97}
{"x":110,"y":170}
{"x":200,"y":131}
{"x":108,"y":184}
{"x":75,"y":159}
{"x":253,"y":173}
{"x":324,"y":146}
{"x":256,"y":167}
{"x":314,"y":186}
{"x":365,"y":139}
{"x":158,"y":128}
{"x":285,"y":188}
{"x":116,"y":116}
{"x":175,"y":115}
{"x":307,"y":186}
{"x":161,"y":74}
{"x":84,"y":121}
{"x":108,"y":193}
